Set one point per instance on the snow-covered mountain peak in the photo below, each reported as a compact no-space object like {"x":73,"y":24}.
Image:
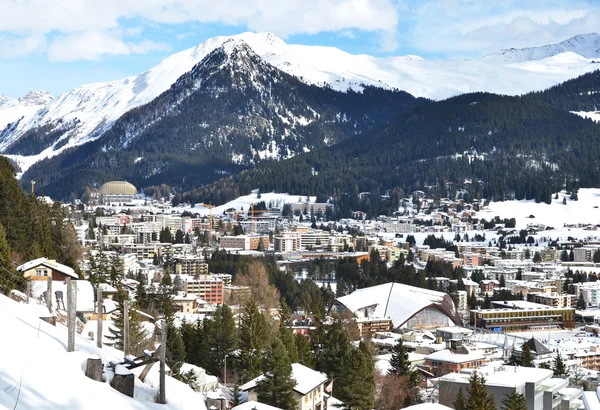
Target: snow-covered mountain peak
{"x":586,"y":45}
{"x":37,"y":97}
{"x":6,"y":101}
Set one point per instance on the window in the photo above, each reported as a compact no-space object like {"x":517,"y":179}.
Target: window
{"x":41,"y":272}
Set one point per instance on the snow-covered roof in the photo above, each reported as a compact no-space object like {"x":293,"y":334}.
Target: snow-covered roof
{"x":306,"y":379}
{"x":450,"y":356}
{"x":50,"y":264}
{"x":255,"y":405}
{"x":428,"y":406}
{"x":397,"y":302}
{"x":507,"y":376}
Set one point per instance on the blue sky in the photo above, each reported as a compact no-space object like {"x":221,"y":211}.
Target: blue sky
{"x":56,"y":45}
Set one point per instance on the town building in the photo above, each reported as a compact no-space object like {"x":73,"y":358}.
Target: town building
{"x":287,"y":242}
{"x":309,"y":391}
{"x":207,"y":287}
{"x":521,"y":315}
{"x":189,"y":265}
{"x":245,"y":242}
{"x":42,"y":268}
{"x":541,"y":390}
{"x":405,"y":306}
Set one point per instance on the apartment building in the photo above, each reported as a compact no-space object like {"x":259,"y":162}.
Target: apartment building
{"x":287,"y":242}
{"x":189,"y":265}
{"x":245,"y":242}
{"x":207,"y":287}
{"x":553,"y":299}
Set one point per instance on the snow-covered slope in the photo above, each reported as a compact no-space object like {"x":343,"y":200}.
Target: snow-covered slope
{"x":84,"y":113}
{"x":12,"y":110}
{"x":36,"y":372}
{"x":586,"y":45}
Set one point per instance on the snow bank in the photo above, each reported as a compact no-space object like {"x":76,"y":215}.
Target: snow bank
{"x":36,"y":369}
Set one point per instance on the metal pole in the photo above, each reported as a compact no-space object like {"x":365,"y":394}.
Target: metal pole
{"x":225,"y":372}
{"x":71,"y":309}
{"x":162,"y":398}
{"x":100,"y":310}
{"x":28,"y":290}
{"x":49,"y":294}
{"x":126,"y":328}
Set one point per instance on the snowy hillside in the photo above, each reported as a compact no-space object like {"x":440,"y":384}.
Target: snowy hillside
{"x":586,"y":45}
{"x":86,"y":112}
{"x":36,"y":372}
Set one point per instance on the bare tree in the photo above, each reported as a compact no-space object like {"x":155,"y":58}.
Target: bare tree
{"x":257,"y":279}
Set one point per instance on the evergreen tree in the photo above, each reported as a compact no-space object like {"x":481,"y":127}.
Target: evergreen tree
{"x":138,"y":337}
{"x":254,"y":335}
{"x":277,"y":387}
{"x":558,"y":366}
{"x":400,"y":365}
{"x":460,"y":402}
{"x":526,"y":357}
{"x":581,"y":305}
{"x":9,"y":279}
{"x":221,"y":340}
{"x":305,"y":356}
{"x":115,"y":270}
{"x":537,"y":258}
{"x":513,"y":360}
{"x":502,"y":281}
{"x":479,"y":396}
{"x":355,"y":385}
{"x":175,"y":349}
{"x":514,"y":401}
{"x":286,"y":335}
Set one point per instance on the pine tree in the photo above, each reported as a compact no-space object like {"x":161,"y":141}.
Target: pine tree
{"x":479,"y":396}
{"x":138,"y":336}
{"x":460,"y":402}
{"x":305,"y":355}
{"x":558,"y":366}
{"x":254,"y":335}
{"x":399,"y":363}
{"x":356,"y":381}
{"x":581,"y":305}
{"x":222,"y":340}
{"x":115,"y":270}
{"x":526,"y":357}
{"x":514,"y":401}
{"x":286,"y":335}
{"x":9,"y":279}
{"x":175,"y":349}
{"x":277,"y":387}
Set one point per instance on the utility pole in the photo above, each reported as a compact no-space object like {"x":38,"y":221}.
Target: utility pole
{"x":126,"y":328}
{"x":49,"y":294}
{"x":28,"y":290}
{"x":100,"y":311}
{"x":162,"y":398}
{"x":71,"y":309}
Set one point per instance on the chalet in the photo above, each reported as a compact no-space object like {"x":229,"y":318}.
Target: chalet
{"x":309,"y":391}
{"x":41,"y":268}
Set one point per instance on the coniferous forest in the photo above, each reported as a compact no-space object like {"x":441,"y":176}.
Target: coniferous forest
{"x":29,"y":229}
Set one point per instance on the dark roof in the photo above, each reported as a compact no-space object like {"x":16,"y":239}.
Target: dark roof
{"x":536,"y":347}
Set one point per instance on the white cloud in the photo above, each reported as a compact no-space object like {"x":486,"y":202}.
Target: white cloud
{"x":19,"y":46}
{"x":472,"y":28}
{"x":95,"y":44}
{"x":97,"y":20}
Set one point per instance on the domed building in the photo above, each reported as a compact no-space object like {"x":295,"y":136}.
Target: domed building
{"x":117,"y":191}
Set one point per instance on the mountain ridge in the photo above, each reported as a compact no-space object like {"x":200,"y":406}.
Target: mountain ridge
{"x":88,"y":111}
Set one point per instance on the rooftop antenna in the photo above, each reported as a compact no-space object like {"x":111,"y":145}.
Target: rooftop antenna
{"x":32,"y":188}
